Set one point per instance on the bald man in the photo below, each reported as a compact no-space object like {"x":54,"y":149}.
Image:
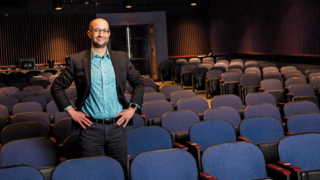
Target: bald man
{"x":102,"y":111}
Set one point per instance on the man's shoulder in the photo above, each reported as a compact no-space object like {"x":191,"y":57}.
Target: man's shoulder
{"x":80,"y":55}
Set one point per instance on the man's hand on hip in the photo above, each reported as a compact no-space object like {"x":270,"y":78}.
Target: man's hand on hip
{"x":126,"y":115}
{"x":79,"y":117}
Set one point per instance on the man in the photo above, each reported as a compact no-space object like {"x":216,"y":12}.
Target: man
{"x":102,"y":110}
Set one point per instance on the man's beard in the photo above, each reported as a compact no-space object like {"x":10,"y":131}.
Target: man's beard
{"x":97,"y":45}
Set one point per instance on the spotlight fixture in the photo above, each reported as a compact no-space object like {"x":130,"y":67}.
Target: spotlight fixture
{"x":192,"y":2}
{"x":127,"y":4}
{"x":57,"y":4}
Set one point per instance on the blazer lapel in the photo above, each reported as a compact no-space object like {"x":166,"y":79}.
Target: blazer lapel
{"x":115,"y":66}
{"x":87,"y":67}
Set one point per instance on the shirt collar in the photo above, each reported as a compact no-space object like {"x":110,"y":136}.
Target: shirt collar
{"x":94,"y":55}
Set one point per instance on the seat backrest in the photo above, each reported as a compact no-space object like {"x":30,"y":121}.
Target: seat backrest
{"x":60,"y":115}
{"x":4,"y":112}
{"x":52,"y":78}
{"x":36,"y":78}
{"x":247,"y":63}
{"x":148,"y":80}
{"x":210,"y":132}
{"x":102,"y":167}
{"x":207,"y":59}
{"x":271,"y":84}
{"x":196,"y":104}
{"x":261,"y":129}
{"x":232,"y":160}
{"x":247,"y":81}
{"x":26,"y":107}
{"x":149,"y":90}
{"x":295,"y":80}
{"x":239,"y":71}
{"x":304,"y":123}
{"x":9,"y":102}
{"x":2,"y":94}
{"x":72,"y":91}
{"x":43,"y":83}
{"x":45,"y":74}
{"x":226,"y":113}
{"x":309,"y":71}
{"x":252,"y":69}
{"x":177,"y":95}
{"x":263,"y":109}
{"x":142,"y":139}
{"x":250,"y":74}
{"x":20,"y":172}
{"x":22,"y":131}
{"x":71,"y":147}
{"x":156,"y":108}
{"x":301,"y":150}
{"x":195,"y":61}
{"x":273,"y":75}
{"x":188,"y":68}
{"x":268,"y":69}
{"x":21,"y":94}
{"x":295,"y":74}
{"x":137,"y":122}
{"x":166,"y":63}
{"x":227,"y":100}
{"x":167,"y":90}
{"x":179,"y":121}
{"x":219,"y":66}
{"x":268,"y":65}
{"x":34,"y":89}
{"x":230,"y":76}
{"x":287,"y":68}
{"x":167,"y":164}
{"x":45,"y":93}
{"x":215,"y":74}
{"x":36,"y":152}
{"x":32,"y":116}
{"x":39,"y":99}
{"x":19,"y":85}
{"x":260,"y":97}
{"x":299,"y":107}
{"x":200,"y":71}
{"x":8,"y":90}
{"x":301,"y":90}
{"x":52,"y":108}
{"x":181,"y":61}
{"x":315,"y":81}
{"x":314,"y":75}
{"x":62,"y":130}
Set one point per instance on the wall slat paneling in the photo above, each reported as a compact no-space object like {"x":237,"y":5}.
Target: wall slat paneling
{"x":42,"y":37}
{"x":272,"y":27}
{"x":188,"y":33}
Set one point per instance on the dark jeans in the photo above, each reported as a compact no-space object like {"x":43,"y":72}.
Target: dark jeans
{"x":108,"y":137}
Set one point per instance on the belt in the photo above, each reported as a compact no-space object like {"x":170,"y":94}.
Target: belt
{"x":105,"y":121}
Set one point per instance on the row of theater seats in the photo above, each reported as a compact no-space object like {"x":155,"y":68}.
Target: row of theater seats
{"x":236,"y":78}
{"x":299,"y":155}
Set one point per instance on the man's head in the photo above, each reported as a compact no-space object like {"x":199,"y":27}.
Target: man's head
{"x":99,"y":33}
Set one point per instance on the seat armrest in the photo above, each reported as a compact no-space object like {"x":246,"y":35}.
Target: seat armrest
{"x":240,"y":85}
{"x":261,"y":89}
{"x":278,"y":169}
{"x":128,"y":155}
{"x":194,"y":145}
{"x":289,"y":166}
{"x":178,"y":145}
{"x":144,"y":116}
{"x":204,"y":175}
{"x":289,"y":133}
{"x":286,"y":88}
{"x":285,"y":118}
{"x":53,"y":139}
{"x":289,"y":94}
{"x":244,"y":139}
{"x":62,"y":159}
{"x":281,"y":104}
{"x":221,"y":80}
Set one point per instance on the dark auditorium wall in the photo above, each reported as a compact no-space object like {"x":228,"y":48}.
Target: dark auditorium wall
{"x":42,"y":37}
{"x":188,"y":33}
{"x":272,"y":27}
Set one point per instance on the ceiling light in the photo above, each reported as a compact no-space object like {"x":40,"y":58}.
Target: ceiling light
{"x":57,"y":4}
{"x":127,"y":3}
{"x":192,"y":2}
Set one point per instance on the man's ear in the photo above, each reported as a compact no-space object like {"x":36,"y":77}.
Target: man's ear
{"x":89,"y":34}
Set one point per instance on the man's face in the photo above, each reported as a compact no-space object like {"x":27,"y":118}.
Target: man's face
{"x":99,"y":33}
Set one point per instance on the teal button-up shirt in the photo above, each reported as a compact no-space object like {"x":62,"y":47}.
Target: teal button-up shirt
{"x":102,"y":101}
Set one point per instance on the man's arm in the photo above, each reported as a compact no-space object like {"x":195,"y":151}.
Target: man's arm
{"x":62,"y":82}
{"x":136,"y":82}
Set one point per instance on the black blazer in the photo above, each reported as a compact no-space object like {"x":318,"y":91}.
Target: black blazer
{"x":78,"y":69}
